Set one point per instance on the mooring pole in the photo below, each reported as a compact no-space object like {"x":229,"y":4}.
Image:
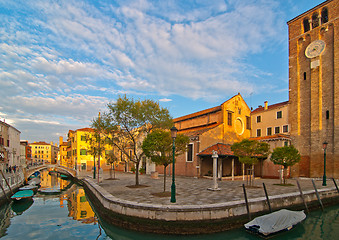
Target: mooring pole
{"x":247,"y":207}
{"x":335,"y":184}
{"x":6,"y":182}
{"x":316,"y":192}
{"x":4,"y":191}
{"x":268,"y":201}
{"x":302,"y":196}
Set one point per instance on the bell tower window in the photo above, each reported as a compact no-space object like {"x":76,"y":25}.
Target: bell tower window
{"x":324,"y":15}
{"x":315,"y":20}
{"x":306,"y":24}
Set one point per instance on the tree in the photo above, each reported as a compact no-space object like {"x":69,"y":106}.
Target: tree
{"x":129,"y":121}
{"x":285,"y":156}
{"x":158,"y":146}
{"x":95,"y":147}
{"x":111,"y":159}
{"x":249,"y":152}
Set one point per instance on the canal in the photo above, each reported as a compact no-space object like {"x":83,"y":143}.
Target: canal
{"x":61,"y":211}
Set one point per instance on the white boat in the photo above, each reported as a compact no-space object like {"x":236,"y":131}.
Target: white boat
{"x":34,"y":181}
{"x":282,"y":220}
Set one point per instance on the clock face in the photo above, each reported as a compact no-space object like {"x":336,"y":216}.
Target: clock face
{"x":315,"y":48}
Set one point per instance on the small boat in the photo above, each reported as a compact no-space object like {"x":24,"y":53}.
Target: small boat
{"x":23,"y":195}
{"x":50,"y":191}
{"x":282,"y":220}
{"x":63,"y":176}
{"x":34,"y":181}
{"x":34,"y":188}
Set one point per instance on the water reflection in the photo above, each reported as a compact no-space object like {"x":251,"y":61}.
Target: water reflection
{"x":69,"y":215}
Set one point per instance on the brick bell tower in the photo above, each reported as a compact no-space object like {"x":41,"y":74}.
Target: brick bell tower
{"x":314,"y":89}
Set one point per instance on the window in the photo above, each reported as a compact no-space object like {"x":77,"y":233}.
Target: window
{"x":324,"y":15}
{"x":315,"y":20}
{"x":248,"y":123}
{"x":83,"y":166}
{"x":306,"y":24}
{"x":276,"y":130}
{"x":285,"y":128}
{"x":258,"y":119}
{"x":189,"y":153}
{"x":269,"y":131}
{"x":279,"y":114}
{"x":258,"y":132}
{"x":7,"y":143}
{"x":327,"y":114}
{"x":304,"y":75}
{"x":83,"y":152}
{"x":229,"y":119}
{"x":285,"y":143}
{"x":83,"y":138}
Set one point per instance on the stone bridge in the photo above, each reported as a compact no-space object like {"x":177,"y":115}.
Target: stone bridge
{"x":50,"y":167}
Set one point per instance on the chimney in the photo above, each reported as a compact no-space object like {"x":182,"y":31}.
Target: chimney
{"x":51,"y":143}
{"x":61,"y":140}
{"x":266,"y":105}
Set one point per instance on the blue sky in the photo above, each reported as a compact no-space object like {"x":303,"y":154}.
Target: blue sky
{"x":63,"y":61}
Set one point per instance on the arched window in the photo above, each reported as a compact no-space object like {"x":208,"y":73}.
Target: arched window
{"x":315,"y":20}
{"x":324,"y":15}
{"x":306,"y":25}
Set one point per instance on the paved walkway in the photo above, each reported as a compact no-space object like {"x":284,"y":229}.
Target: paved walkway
{"x":193,"y":191}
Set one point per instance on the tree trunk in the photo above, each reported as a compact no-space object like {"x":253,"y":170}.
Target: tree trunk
{"x":137,"y":174}
{"x":111,"y":171}
{"x":252,"y":180}
{"x":284,"y":174}
{"x":165,"y":178}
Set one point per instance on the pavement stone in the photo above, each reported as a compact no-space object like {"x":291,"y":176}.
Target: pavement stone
{"x":194,"y":191}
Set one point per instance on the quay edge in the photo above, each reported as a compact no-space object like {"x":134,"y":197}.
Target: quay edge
{"x":194,"y":219}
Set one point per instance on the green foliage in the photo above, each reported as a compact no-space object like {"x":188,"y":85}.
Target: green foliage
{"x":285,"y":156}
{"x":249,"y":151}
{"x":129,"y":121}
{"x":158,"y":146}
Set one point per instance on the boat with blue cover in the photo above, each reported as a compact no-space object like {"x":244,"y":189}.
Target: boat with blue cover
{"x":23,"y":195}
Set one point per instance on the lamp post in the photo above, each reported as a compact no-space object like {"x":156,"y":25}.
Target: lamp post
{"x":324,"y":176}
{"x":174,"y":131}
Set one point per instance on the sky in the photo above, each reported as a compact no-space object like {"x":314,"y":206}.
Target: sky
{"x":63,"y":61}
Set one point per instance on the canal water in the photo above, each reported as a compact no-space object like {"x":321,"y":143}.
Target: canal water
{"x":62,"y":211}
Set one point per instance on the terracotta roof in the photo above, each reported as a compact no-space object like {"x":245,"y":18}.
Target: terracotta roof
{"x":272,"y":137}
{"x":221,"y":148}
{"x":85,"y":129}
{"x":39,"y":143}
{"x":270,"y":107}
{"x":197,"y":114}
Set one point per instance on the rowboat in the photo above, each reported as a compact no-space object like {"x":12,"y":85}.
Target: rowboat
{"x":34,"y":181}
{"x":23,"y":195}
{"x":50,"y":191}
{"x":34,"y":188}
{"x":282,"y":220}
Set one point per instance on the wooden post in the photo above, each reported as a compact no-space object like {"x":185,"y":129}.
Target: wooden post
{"x":302,"y":195}
{"x":316,"y":192}
{"x":6,"y":182}
{"x":247,"y":207}
{"x":335,"y":184}
{"x":268,"y":201}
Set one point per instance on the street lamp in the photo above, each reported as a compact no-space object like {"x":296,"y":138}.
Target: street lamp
{"x":174,"y":131}
{"x":324,"y":176}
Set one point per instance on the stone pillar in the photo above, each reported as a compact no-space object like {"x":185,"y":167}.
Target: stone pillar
{"x":215,"y":168}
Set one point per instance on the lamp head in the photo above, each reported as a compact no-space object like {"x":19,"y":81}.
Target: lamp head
{"x":174,"y":131}
{"x":325,"y":145}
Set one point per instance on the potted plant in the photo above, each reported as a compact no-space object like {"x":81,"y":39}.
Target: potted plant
{"x":141,"y":171}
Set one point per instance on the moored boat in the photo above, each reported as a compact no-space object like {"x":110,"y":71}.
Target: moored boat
{"x":282,"y":220}
{"x":34,"y":181}
{"x":34,"y":188}
{"x":23,"y":195}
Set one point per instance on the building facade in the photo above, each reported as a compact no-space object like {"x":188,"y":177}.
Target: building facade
{"x":224,"y":124}
{"x":25,"y":153}
{"x":270,"y":124}
{"x":314,"y":89}
{"x":44,"y":153}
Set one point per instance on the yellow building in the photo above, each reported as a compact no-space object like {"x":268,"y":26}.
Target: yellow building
{"x":43,"y":152}
{"x":62,"y":157}
{"x":78,"y":151}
